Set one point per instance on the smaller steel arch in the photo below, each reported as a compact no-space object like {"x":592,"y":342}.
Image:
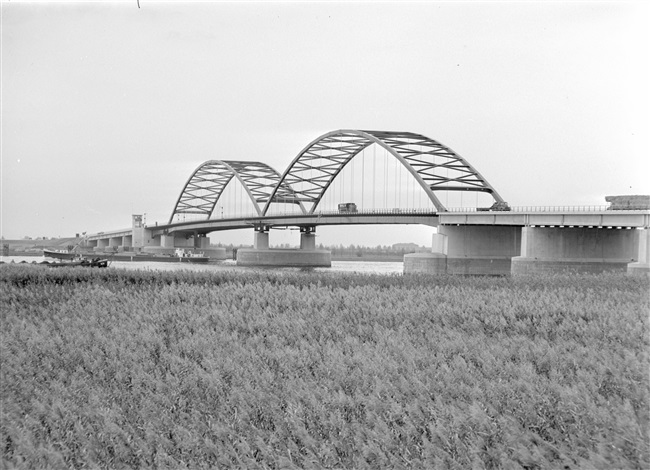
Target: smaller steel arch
{"x":206,"y":184}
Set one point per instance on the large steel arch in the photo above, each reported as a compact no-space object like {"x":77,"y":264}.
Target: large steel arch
{"x":206,"y":184}
{"x":434,"y":166}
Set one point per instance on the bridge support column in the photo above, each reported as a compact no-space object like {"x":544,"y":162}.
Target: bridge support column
{"x":481,"y":249}
{"x":642,"y":265}
{"x":262,"y":255}
{"x":429,"y":263}
{"x":165,"y":245}
{"x":202,"y":245}
{"x":261,"y":240}
{"x":307,"y":240}
{"x":576,"y":249}
{"x":202,"y":242}
{"x":102,"y":243}
{"x":126,"y":243}
{"x":167,"y":241}
{"x":109,"y":245}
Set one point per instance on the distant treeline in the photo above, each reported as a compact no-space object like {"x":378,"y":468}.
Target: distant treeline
{"x":355,"y":251}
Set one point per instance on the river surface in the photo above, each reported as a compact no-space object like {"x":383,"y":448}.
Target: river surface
{"x":368,"y":267}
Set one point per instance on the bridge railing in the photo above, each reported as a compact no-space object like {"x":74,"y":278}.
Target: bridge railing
{"x":391,"y":211}
{"x":527,"y":209}
{"x":400,"y":211}
{"x":597,"y":208}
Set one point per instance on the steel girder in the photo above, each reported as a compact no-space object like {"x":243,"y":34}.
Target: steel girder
{"x":206,"y":184}
{"x":434,"y":166}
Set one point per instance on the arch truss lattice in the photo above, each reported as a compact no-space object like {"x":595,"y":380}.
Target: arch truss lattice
{"x":433,"y":165}
{"x":207,"y":183}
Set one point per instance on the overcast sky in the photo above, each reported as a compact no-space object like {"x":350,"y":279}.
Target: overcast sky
{"x":107,"y":108}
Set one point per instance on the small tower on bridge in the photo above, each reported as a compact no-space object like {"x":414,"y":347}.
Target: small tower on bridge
{"x":141,"y":237}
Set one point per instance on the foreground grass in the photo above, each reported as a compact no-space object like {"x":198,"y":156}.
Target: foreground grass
{"x":120,"y":369}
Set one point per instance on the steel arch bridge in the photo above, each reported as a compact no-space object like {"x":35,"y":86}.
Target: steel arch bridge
{"x":206,"y":184}
{"x":434,"y":166}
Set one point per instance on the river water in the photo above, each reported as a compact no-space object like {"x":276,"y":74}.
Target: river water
{"x":368,"y":267}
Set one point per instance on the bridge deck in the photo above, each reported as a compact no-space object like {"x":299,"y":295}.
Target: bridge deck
{"x":528,"y":217}
{"x":125,"y":232}
{"x":603,"y":218}
{"x":298,"y":220}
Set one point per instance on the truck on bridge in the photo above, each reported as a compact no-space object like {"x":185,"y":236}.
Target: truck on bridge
{"x":626,"y":203}
{"x":497,"y":206}
{"x":347,"y":207}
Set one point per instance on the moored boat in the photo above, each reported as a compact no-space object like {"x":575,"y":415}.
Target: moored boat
{"x":60,"y":254}
{"x":180,"y":255}
{"x":82,"y":262}
{"x":189,"y":257}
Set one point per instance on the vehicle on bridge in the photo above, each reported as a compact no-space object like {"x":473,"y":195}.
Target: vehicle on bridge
{"x":347,"y":207}
{"x":627,"y":203}
{"x":497,"y":206}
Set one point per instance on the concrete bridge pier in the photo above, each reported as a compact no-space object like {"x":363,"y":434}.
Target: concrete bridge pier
{"x":481,"y":249}
{"x":468,"y":249}
{"x":114,"y":243}
{"x":579,"y":249}
{"x":127,"y":242}
{"x":262,"y":255}
{"x":434,"y":262}
{"x":162,"y":245}
{"x":101,"y":245}
{"x":642,"y":264}
{"x":202,"y":245}
{"x":307,"y":238}
{"x":198,"y":243}
{"x":261,"y":239}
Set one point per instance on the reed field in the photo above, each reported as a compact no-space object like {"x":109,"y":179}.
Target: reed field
{"x":138,"y":369}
